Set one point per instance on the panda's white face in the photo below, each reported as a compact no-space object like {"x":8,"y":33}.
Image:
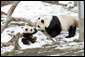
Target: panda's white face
{"x":40,"y":24}
{"x":29,"y":29}
{"x":44,"y":22}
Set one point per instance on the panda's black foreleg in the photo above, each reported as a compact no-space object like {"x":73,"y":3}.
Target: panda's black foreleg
{"x":72,"y":31}
{"x":33,"y":40}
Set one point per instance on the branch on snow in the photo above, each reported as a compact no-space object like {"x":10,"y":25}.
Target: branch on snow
{"x":13,"y":41}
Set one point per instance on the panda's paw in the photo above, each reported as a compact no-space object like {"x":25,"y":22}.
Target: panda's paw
{"x":34,"y":39}
{"x":48,"y":38}
{"x":68,"y":36}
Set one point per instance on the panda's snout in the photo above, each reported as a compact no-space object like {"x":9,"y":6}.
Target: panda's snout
{"x":26,"y":29}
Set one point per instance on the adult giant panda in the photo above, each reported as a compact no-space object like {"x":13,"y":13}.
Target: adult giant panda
{"x":55,"y":24}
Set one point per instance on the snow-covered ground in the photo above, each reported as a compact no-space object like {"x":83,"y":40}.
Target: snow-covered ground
{"x":32,"y":10}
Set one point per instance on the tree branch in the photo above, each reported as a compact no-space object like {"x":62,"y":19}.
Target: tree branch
{"x":24,"y":20}
{"x":13,"y":41}
{"x":9,"y":15}
{"x":3,"y":13}
{"x":31,"y":24}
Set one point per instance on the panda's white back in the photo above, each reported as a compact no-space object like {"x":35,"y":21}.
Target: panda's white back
{"x":66,"y":21}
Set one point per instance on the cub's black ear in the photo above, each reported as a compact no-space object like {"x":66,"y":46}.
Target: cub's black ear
{"x":38,"y":18}
{"x":42,"y":21}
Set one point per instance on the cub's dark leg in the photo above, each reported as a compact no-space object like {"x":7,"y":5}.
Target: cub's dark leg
{"x":24,"y":41}
{"x":72,"y":31}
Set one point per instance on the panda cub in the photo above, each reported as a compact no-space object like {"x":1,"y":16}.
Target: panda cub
{"x":28,"y":35}
{"x":53,"y":25}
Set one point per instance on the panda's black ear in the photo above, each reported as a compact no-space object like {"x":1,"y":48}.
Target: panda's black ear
{"x":42,"y":21}
{"x":38,"y":18}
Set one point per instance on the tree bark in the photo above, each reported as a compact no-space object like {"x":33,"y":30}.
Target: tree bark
{"x":81,"y":17}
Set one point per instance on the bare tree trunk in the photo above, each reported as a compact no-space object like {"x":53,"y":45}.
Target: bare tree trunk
{"x":81,"y":36}
{"x":81,"y":17}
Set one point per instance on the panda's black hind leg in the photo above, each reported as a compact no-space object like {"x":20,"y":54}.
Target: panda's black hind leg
{"x":72,"y":31}
{"x":24,"y":41}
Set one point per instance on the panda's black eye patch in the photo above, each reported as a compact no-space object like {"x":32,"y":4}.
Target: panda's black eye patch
{"x":42,"y":21}
{"x":31,"y":29}
{"x":38,"y":26}
{"x":38,"y":18}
